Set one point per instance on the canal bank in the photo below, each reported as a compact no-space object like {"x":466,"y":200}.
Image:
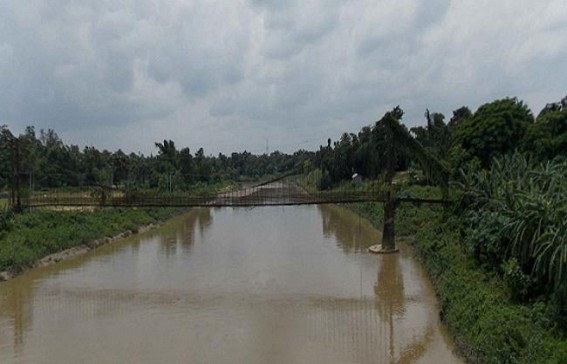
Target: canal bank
{"x":486,"y":326}
{"x":43,"y":237}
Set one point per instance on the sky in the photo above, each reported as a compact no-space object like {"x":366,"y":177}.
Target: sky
{"x":257,"y":75}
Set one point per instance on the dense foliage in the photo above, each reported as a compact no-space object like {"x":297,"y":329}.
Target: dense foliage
{"x":46,"y":162}
{"x":365,"y":153}
{"x":515,"y":216}
{"x":487,"y":327}
{"x":547,"y":137}
{"x":494,"y":129}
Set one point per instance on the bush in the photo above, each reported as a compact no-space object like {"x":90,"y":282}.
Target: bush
{"x":487,"y":327}
{"x":517,"y":209}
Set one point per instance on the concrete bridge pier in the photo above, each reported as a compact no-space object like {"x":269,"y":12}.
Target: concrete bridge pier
{"x":388,"y":245}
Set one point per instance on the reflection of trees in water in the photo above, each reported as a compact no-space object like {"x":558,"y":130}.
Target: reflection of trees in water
{"x":347,"y":228}
{"x":371,"y":330}
{"x":349,"y":327}
{"x":391,"y":306}
{"x":182,"y":237}
{"x":16,"y":304}
{"x":17,"y":296}
{"x":389,"y":287}
{"x":204,"y":219}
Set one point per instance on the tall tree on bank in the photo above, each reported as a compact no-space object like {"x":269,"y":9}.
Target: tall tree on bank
{"x":4,"y":156}
{"x":495,"y":129}
{"x":547,"y":137}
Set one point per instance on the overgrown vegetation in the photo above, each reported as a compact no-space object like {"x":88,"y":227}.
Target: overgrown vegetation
{"x":474,"y":303}
{"x":515,"y":218}
{"x":26,"y":238}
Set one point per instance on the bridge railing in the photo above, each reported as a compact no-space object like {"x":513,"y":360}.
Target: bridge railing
{"x":291,"y":190}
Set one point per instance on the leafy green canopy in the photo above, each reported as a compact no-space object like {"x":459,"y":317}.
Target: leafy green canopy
{"x":46,"y":162}
{"x":4,"y":156}
{"x":496,"y":128}
{"x":516,"y":214}
{"x":386,"y":147}
{"x":547,"y":137}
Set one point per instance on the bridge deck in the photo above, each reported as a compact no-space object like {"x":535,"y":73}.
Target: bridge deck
{"x":272,"y":194}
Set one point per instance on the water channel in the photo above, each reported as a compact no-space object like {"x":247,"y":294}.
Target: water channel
{"x":229,"y":285}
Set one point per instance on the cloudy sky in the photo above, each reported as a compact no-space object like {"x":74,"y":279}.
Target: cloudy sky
{"x":230,"y":75}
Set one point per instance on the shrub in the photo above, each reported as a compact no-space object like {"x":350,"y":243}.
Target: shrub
{"x":517,"y":209}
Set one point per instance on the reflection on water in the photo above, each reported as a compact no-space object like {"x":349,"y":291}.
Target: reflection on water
{"x":274,"y":284}
{"x":16,"y":314}
{"x":179,"y":241}
{"x":351,"y":231}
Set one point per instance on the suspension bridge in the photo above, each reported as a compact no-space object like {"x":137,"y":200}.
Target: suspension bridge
{"x":287,"y":190}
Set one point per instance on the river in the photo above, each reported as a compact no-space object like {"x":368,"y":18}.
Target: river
{"x":229,"y":285}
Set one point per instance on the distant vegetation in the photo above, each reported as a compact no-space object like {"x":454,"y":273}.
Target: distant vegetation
{"x":46,"y":162}
{"x":496,"y":128}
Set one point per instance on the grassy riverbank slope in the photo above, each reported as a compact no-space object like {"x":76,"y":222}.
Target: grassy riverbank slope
{"x":28,"y":237}
{"x":476,"y":305}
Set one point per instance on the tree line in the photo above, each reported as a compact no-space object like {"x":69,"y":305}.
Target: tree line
{"x":46,"y":162}
{"x":496,"y":128}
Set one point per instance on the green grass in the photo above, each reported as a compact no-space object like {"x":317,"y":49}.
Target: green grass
{"x":27,"y":237}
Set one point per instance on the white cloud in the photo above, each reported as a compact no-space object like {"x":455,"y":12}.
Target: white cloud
{"x":229,"y":75}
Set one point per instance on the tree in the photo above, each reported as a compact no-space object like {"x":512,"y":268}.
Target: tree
{"x":186,"y":165}
{"x":547,"y":137}
{"x":168,"y":153}
{"x":496,"y":128}
{"x":202,"y":166}
{"x":120,"y":166}
{"x":436,"y":137}
{"x":5,"y":166}
{"x":459,"y":115}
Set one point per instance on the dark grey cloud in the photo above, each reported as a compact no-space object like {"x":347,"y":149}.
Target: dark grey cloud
{"x":230,"y":75}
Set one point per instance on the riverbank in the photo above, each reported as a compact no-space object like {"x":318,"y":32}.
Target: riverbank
{"x":43,"y":237}
{"x":486,"y":325}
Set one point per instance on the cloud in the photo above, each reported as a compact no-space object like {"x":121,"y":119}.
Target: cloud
{"x":229,"y":75}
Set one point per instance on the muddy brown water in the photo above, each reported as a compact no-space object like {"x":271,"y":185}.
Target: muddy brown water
{"x":230,"y":285}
